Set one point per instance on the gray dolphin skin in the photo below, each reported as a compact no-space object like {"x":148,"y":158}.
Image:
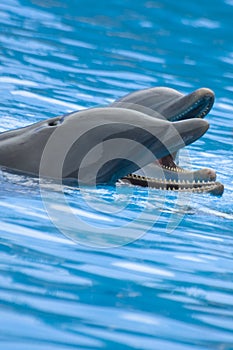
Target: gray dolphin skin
{"x":111,"y":144}
{"x":173,"y":106}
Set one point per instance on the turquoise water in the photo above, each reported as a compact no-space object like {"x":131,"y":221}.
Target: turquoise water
{"x":171,"y":285}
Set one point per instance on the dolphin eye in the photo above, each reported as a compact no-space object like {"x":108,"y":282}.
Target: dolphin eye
{"x":54,"y":122}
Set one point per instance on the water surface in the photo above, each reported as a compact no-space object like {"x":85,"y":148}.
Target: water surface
{"x":172,"y":286}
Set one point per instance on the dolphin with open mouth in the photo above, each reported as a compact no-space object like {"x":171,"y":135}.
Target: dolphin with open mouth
{"x":171,"y":105}
{"x":105,"y":145}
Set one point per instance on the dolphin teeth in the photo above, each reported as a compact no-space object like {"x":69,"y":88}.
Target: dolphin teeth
{"x":200,"y":115}
{"x":175,"y":185}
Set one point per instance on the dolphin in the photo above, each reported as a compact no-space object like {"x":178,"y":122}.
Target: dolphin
{"x":96,"y":146}
{"x":158,"y":120}
{"x":171,"y":105}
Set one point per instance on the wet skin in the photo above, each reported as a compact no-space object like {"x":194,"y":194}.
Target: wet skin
{"x":161,"y":120}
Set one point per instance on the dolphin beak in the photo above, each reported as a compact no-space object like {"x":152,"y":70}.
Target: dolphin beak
{"x":191,"y":130}
{"x":169,"y":104}
{"x":183,"y":133}
{"x":194,"y":105}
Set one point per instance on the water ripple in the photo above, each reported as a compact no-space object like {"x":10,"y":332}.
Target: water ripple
{"x":172,"y":287}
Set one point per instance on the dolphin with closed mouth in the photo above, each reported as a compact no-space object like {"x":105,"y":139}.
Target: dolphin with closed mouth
{"x":171,"y":105}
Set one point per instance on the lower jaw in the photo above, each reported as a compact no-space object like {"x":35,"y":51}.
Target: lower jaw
{"x":215,"y":188}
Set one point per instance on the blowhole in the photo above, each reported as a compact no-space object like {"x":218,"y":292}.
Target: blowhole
{"x":54,"y":122}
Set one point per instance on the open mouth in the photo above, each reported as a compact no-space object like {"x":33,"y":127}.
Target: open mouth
{"x":176,"y":178}
{"x":174,"y":107}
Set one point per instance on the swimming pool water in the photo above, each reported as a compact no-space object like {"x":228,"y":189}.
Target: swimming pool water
{"x":168,"y":283}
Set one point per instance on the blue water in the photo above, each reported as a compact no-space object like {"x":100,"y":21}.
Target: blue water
{"x":165,"y":277}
